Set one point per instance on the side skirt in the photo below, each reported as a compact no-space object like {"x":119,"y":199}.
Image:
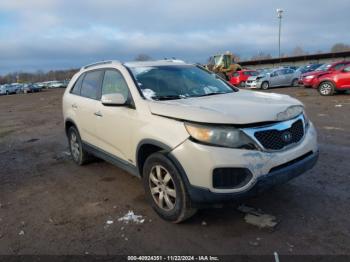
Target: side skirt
{"x":111,"y":158}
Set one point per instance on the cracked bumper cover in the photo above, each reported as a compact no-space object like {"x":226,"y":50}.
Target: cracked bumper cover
{"x":204,"y":196}
{"x":196,"y":164}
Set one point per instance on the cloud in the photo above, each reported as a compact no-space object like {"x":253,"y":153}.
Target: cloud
{"x":41,"y":34}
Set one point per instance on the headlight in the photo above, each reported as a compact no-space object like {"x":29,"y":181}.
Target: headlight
{"x":290,"y":112}
{"x":309,"y":77}
{"x":220,"y":136}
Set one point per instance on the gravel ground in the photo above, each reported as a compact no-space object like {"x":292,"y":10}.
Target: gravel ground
{"x":48,"y":205}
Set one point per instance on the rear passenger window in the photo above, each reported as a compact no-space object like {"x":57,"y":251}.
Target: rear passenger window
{"x":236,"y":74}
{"x":91,"y":84}
{"x":113,"y":83}
{"x":338,"y":66}
{"x":76,"y":88}
{"x":347,"y":69}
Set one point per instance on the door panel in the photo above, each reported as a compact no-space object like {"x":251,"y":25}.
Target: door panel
{"x":86,"y":105}
{"x":275,"y":79}
{"x":115,"y":122}
{"x":344,"y":78}
{"x":85,"y":109}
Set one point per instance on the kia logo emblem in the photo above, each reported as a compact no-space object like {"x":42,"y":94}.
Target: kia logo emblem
{"x":287,"y":136}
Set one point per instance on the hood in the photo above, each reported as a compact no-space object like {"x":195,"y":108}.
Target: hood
{"x":315,"y":73}
{"x":243,"y":107}
{"x":252,"y":78}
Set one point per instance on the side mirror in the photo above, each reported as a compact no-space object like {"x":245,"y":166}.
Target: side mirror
{"x":113,"y":100}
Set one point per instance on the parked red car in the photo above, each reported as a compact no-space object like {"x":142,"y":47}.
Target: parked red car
{"x":240,"y":77}
{"x":333,"y":81}
{"x":309,"y":79}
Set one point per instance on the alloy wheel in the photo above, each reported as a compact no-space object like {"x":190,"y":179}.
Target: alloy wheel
{"x":75,"y":147}
{"x":162,"y":187}
{"x":325,"y":88}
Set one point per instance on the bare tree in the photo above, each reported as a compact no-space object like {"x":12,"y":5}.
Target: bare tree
{"x":142,"y":57}
{"x":298,"y":51}
{"x":340,"y":47}
{"x":260,"y":56}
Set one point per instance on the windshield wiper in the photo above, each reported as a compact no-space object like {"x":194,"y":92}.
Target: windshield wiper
{"x":168,"y":97}
{"x":212,"y":94}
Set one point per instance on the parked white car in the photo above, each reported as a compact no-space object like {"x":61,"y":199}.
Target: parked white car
{"x":192,"y":138}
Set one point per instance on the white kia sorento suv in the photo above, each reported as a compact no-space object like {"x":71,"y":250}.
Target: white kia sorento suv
{"x":192,"y":138}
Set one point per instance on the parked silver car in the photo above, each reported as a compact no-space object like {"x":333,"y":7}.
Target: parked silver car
{"x":273,"y":78}
{"x":9,"y":89}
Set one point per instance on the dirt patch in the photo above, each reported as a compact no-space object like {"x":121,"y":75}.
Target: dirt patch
{"x":48,"y":205}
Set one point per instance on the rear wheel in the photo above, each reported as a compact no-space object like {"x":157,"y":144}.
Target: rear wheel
{"x":222,"y":75}
{"x":166,"y":190}
{"x":265,"y":85}
{"x":295,"y":82}
{"x":326,"y":89}
{"x":79,"y":155}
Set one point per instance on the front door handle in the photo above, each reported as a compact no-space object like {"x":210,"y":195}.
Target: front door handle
{"x":98,"y":114}
{"x":74,"y":106}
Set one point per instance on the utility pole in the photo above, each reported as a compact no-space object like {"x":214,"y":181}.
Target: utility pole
{"x":279,"y":16}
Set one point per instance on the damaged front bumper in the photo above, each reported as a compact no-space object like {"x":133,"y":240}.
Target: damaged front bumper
{"x":201,"y":196}
{"x":199,"y":162}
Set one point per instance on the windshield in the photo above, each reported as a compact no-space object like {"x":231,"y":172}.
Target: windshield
{"x":324,"y":67}
{"x":175,"y":82}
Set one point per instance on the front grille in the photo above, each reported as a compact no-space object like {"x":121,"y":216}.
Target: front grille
{"x":278,"y":139}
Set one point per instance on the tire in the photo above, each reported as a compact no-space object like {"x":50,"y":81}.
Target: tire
{"x":265,"y":85}
{"x":295,"y":82}
{"x":79,"y":155}
{"x":242,"y":84}
{"x":342,"y":91}
{"x":222,"y":75}
{"x":326,"y":88}
{"x":160,"y":177}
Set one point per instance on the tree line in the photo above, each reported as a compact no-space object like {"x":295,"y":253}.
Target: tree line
{"x":299,"y":51}
{"x":60,"y":75}
{"x":38,"y":76}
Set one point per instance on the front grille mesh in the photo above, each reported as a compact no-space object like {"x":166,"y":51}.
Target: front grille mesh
{"x":278,"y":139}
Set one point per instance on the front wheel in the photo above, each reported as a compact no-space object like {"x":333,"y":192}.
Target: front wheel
{"x":166,"y":190}
{"x":265,"y":85}
{"x":242,"y":84}
{"x":326,"y":89}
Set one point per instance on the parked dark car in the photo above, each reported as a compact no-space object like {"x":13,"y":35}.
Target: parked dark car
{"x":31,"y":88}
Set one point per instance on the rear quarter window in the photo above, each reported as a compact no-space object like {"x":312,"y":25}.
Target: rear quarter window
{"x":76,"y":88}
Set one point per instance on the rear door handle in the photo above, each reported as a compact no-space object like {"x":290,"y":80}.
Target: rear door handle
{"x":74,"y":106}
{"x":98,"y":114}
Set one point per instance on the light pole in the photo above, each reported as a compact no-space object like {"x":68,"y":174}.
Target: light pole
{"x":279,"y":16}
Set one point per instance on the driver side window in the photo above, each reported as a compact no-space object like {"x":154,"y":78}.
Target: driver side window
{"x":113,"y":82}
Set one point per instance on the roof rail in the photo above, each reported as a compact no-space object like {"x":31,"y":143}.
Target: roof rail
{"x":100,"y":63}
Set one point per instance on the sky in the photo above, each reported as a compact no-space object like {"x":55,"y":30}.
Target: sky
{"x":61,"y":34}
